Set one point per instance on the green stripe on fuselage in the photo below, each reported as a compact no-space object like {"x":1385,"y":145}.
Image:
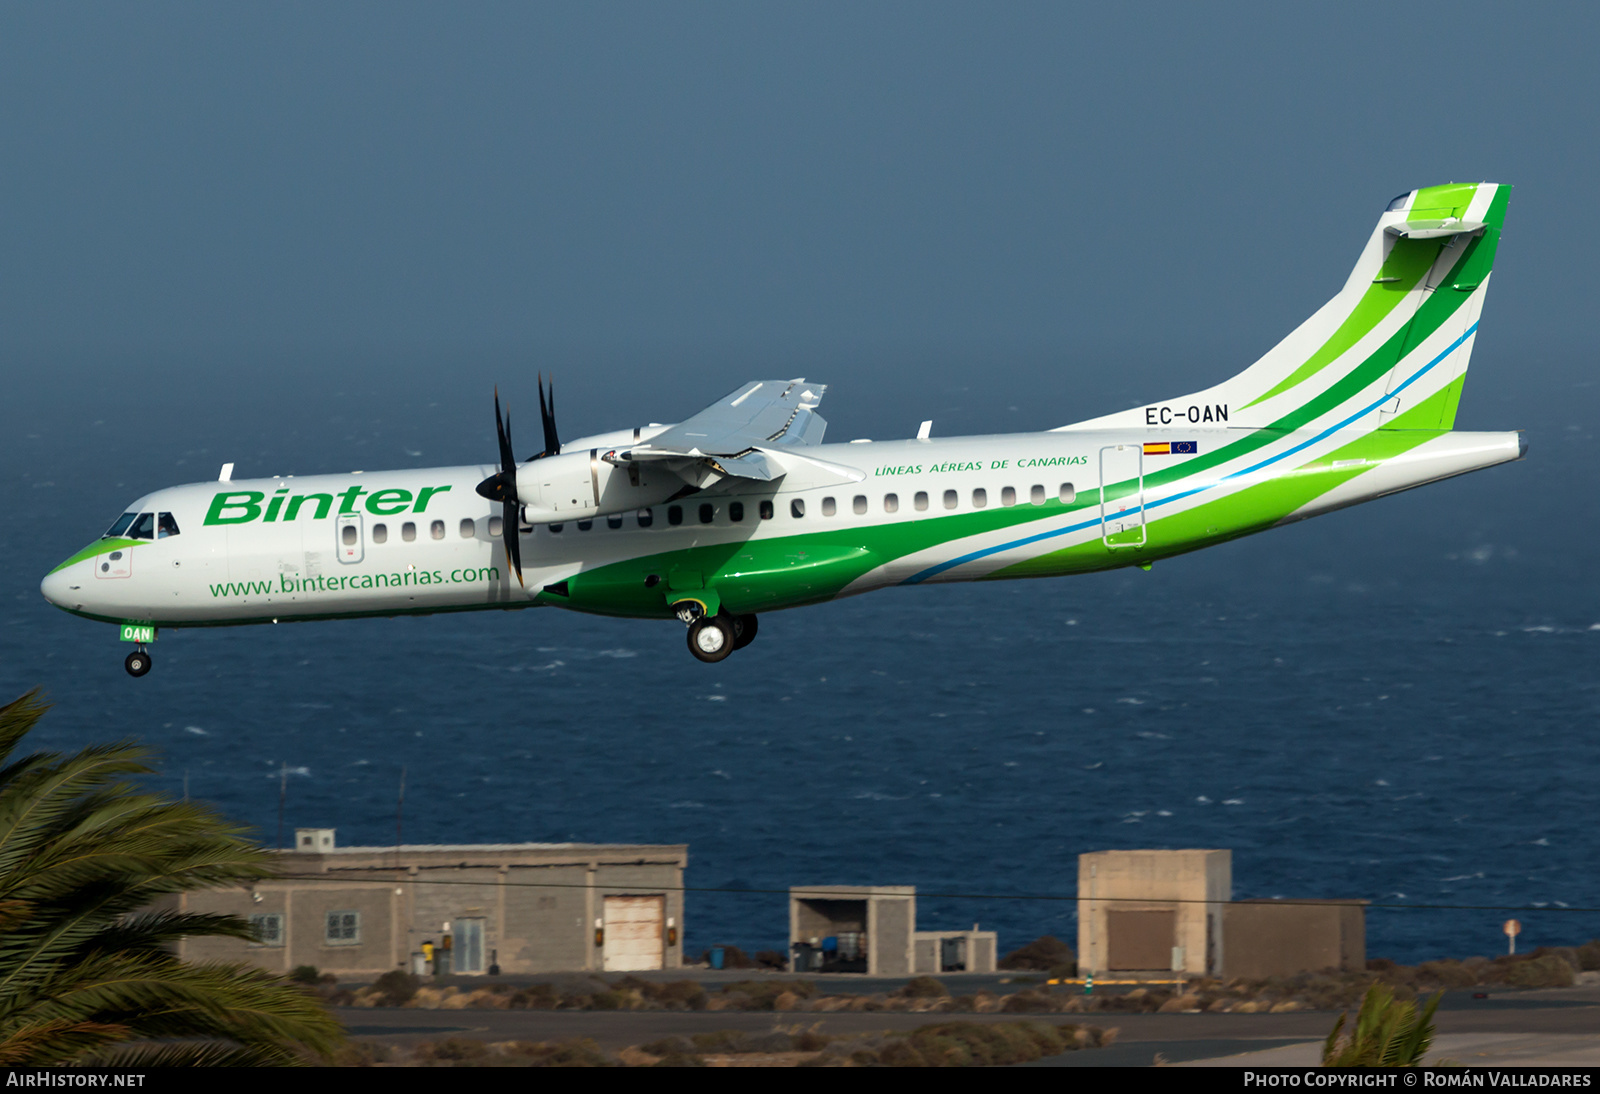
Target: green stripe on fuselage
{"x":100,"y":547}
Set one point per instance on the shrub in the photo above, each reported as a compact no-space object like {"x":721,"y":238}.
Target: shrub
{"x":305,"y":974}
{"x":396,"y":987}
{"x":450,"y":1050}
{"x":536,"y":997}
{"x":922,"y":987}
{"x":771,"y":959}
{"x":1041,"y":955}
{"x":1546,"y":971}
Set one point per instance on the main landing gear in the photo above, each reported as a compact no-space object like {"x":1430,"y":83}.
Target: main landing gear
{"x":138,"y":662}
{"x":713,"y":637}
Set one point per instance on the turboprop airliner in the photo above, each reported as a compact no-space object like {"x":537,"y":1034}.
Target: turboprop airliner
{"x":741,"y":509}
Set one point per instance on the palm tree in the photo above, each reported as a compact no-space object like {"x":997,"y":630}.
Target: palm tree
{"x":87,"y":975}
{"x":1388,"y":1032}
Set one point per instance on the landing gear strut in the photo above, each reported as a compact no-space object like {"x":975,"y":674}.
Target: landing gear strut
{"x":138,"y":662}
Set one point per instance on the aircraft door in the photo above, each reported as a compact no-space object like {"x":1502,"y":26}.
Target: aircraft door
{"x":1122,"y":515}
{"x":350,"y":544}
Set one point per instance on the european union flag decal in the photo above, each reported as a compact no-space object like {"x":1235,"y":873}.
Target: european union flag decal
{"x":1184,"y":448}
{"x":1170,"y":448}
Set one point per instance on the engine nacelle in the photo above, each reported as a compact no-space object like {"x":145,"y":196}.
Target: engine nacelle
{"x":579,"y":485}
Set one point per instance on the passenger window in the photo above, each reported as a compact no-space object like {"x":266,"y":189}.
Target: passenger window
{"x":736,"y":511}
{"x":496,"y":526}
{"x":859,"y":505}
{"x":707,"y":511}
{"x":950,"y":499}
{"x":1067,"y":493}
{"x":143,"y":528}
{"x":380,"y":533}
{"x":555,"y":529}
{"x":167,"y":526}
{"x":1008,"y":496}
{"x":891,"y":503}
{"x":828,"y":507}
{"x":674,"y":515}
{"x":1037,"y":495}
{"x":980,"y":498}
{"x":408,"y":531}
{"x":585,"y":525}
{"x":347,"y":535}
{"x":920,"y":502}
{"x":797,"y":508}
{"x":121,"y":526}
{"x":766,"y":510}
{"x":436,"y":529}
{"x":468,"y":528}
{"x":646,"y":518}
{"x":614,"y":521}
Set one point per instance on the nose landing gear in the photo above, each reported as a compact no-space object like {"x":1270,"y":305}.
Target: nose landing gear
{"x":713,"y":637}
{"x":138,"y":662}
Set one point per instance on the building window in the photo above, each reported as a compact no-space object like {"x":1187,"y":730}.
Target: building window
{"x":920,"y":502}
{"x":828,"y":507}
{"x":1008,"y":496}
{"x":766,"y":510}
{"x":950,"y":499}
{"x":267,"y":929}
{"x":891,"y":503}
{"x":859,"y":505}
{"x":344,"y":929}
{"x":1067,"y":493}
{"x":797,"y":508}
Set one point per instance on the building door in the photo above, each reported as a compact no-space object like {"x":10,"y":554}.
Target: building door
{"x":635,"y":933}
{"x":1141,"y":940}
{"x":469,"y":945}
{"x":1122,"y":515}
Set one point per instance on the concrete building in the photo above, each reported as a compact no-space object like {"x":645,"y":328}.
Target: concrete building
{"x":873,"y":929}
{"x":514,"y":907}
{"x":1282,"y":937}
{"x":1172,"y":912}
{"x":1153,"y":911}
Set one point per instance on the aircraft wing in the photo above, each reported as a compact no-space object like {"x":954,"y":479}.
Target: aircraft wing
{"x":737,"y":435}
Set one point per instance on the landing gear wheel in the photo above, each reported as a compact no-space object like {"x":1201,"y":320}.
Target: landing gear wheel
{"x":138,"y":663}
{"x":744,"y":631}
{"x":711,"y":637}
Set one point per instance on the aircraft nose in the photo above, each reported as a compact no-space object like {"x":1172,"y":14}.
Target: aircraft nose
{"x":62,"y":587}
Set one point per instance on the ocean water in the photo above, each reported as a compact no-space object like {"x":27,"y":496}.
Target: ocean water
{"x":1395,"y":702}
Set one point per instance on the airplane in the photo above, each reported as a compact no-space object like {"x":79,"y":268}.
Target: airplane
{"x":741,"y":509}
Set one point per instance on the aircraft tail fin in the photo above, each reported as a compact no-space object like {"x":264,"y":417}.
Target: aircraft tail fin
{"x":1390,"y":350}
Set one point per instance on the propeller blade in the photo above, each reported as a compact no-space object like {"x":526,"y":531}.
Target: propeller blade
{"x":509,"y":520}
{"x":547,"y":414}
{"x":502,"y":487}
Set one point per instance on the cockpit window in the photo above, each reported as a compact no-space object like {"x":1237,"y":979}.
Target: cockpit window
{"x":166,"y":526}
{"x":143,"y":528}
{"x":120,"y":527}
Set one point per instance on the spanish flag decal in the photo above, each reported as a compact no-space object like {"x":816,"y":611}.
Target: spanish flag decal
{"x":1170,"y":448}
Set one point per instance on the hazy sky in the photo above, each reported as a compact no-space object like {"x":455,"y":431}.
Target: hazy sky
{"x":1066,"y":207}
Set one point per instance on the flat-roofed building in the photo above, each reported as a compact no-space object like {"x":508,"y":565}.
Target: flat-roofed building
{"x":507,"y":907}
